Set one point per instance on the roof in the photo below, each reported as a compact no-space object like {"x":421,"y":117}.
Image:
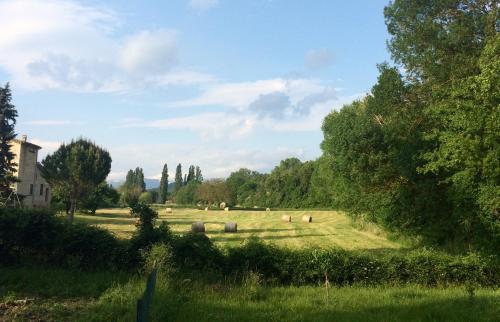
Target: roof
{"x":27,"y":143}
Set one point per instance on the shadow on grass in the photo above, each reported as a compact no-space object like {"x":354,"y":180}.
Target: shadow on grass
{"x":481,"y":308}
{"x":107,"y":221}
{"x":235,"y":237}
{"x":106,"y":215}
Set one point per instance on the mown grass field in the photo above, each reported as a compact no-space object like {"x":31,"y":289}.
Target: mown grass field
{"x":327,"y":229}
{"x":52,"y":294}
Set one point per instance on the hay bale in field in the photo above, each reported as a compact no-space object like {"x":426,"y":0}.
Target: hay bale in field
{"x":307,"y":218}
{"x":198,"y":227}
{"x":231,"y":227}
{"x":226,"y":209}
{"x":268,"y":209}
{"x":168,"y":210}
{"x":222,"y":205}
{"x":286,"y":218}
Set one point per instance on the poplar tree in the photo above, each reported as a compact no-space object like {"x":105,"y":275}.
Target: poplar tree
{"x":162,"y":195}
{"x":190,"y":175}
{"x":178,"y":177}
{"x":198,"y":177}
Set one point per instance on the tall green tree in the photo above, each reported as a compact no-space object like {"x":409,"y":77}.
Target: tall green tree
{"x":163,"y":192}
{"x":198,"y":177}
{"x":8,"y":114}
{"x":467,"y":153}
{"x":78,"y":168}
{"x":448,"y":51}
{"x":191,"y":175}
{"x":133,"y":187}
{"x":178,"y":178}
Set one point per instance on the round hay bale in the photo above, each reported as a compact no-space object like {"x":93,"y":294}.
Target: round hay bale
{"x":168,"y":210}
{"x":231,"y":227}
{"x":307,"y":218}
{"x":286,"y":218}
{"x":206,"y":208}
{"x":222,"y":205}
{"x":226,"y":209}
{"x":198,"y":227}
{"x":268,"y":209}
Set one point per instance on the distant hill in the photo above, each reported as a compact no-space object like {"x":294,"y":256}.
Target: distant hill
{"x":150,"y":183}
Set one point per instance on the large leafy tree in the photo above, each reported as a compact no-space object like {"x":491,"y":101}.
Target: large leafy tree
{"x":467,"y":153}
{"x":163,"y":192}
{"x":288,"y":184}
{"x":244,"y":187}
{"x":104,"y":195}
{"x":449,"y":51}
{"x":78,"y":168}
{"x":8,"y":114}
{"x":213,"y":192}
{"x":187,"y":195}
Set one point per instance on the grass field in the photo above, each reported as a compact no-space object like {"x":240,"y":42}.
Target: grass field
{"x":327,"y":229}
{"x":52,"y":294}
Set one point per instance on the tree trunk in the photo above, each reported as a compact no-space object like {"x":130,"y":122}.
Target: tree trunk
{"x":71,"y":213}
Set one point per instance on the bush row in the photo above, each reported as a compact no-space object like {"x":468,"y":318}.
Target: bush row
{"x":41,"y":237}
{"x":343,"y":267}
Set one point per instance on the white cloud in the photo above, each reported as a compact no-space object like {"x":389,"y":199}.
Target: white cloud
{"x":184,"y":77}
{"x":210,"y":126}
{"x":149,"y":52}
{"x":236,"y":95}
{"x":215,"y":160}
{"x":319,"y":58}
{"x":274,"y":115}
{"x":62,"y":44}
{"x":202,"y":5}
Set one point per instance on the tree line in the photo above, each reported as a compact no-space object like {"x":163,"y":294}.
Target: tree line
{"x":420,"y":154}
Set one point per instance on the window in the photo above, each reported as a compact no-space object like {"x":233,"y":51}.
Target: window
{"x":41,"y":189}
{"x":31,"y":189}
{"x":46,"y":194}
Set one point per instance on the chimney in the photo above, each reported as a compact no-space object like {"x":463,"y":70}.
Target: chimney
{"x":24,"y":138}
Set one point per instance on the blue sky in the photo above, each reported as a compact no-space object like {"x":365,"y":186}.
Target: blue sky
{"x":217,"y":83}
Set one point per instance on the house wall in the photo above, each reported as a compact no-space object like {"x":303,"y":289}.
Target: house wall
{"x":31,"y":186}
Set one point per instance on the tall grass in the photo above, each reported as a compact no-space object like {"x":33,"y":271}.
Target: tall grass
{"x":100,"y":296}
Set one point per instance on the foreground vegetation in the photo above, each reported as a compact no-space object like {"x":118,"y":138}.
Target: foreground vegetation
{"x":54,"y":294}
{"x":328,"y":228}
{"x":99,"y":277}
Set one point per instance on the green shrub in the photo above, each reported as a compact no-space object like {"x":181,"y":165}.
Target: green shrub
{"x":38,"y":236}
{"x":146,"y":197}
{"x":146,"y":234}
{"x":196,"y":251}
{"x":343,"y":267}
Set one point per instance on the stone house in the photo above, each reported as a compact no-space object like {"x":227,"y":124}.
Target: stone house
{"x":32,"y":188}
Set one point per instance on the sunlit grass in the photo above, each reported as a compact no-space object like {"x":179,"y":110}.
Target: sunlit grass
{"x":327,"y":229}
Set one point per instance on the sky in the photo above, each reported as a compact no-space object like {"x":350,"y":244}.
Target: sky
{"x":222,"y":84}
